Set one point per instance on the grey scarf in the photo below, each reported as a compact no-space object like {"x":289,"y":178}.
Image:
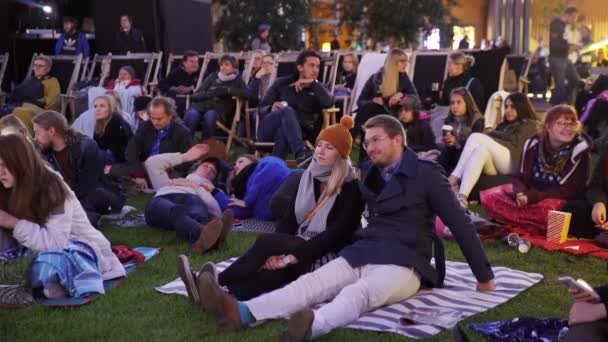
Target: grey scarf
{"x":227,"y":78}
{"x":305,"y":200}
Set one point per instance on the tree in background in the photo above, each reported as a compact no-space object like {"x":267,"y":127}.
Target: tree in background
{"x":401,"y":19}
{"x":240,"y":19}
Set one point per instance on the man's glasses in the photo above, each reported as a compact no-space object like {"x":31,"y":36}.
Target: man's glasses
{"x":373,"y":141}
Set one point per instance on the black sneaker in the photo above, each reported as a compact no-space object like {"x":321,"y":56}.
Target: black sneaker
{"x":185,"y":273}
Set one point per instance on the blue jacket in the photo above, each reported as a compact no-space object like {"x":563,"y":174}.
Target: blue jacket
{"x":269,"y":175}
{"x":401,"y":223}
{"x":82,"y":45}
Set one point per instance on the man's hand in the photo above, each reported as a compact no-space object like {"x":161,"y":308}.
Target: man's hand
{"x":378,"y":100}
{"x":183,"y":182}
{"x":195,"y":152}
{"x":261,"y":73}
{"x":584,"y":312}
{"x":582,"y":296}
{"x":302,"y":83}
{"x":208,"y":187}
{"x":487,"y":286}
{"x":7,"y":221}
{"x":107,"y":169}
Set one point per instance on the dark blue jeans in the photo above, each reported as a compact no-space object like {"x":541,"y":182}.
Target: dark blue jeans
{"x":193,"y":118}
{"x":282,"y":128}
{"x":566,"y":79}
{"x":187,"y":214}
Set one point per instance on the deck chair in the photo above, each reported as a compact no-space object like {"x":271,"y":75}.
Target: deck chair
{"x":428,"y":72}
{"x":66,"y":69}
{"x":370,"y":63}
{"x":520,"y":64}
{"x":3,"y":64}
{"x":210,"y":65}
{"x":156,"y":66}
{"x":345,"y":98}
{"x":143,"y":63}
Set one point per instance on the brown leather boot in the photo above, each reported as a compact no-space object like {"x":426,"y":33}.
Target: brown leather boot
{"x":221,"y":305}
{"x":298,"y":327}
{"x":227,"y":222}
{"x":209,"y":237}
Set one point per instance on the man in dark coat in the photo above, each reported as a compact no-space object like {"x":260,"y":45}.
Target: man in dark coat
{"x":388,"y":260}
{"x":292,"y":109}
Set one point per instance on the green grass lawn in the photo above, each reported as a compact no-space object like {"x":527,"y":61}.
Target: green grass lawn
{"x":135,"y":312}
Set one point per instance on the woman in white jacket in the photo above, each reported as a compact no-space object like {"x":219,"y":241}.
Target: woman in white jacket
{"x":41,"y":211}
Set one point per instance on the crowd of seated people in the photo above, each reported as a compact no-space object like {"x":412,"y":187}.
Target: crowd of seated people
{"x":318,"y":252}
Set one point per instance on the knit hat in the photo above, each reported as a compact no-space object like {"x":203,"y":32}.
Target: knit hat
{"x":339,"y":135}
{"x":263,"y":28}
{"x":130,"y":70}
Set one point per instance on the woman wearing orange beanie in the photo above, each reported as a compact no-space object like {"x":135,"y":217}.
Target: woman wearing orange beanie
{"x":324,"y":209}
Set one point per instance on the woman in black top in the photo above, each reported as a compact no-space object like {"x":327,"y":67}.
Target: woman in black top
{"x":323,"y":209}
{"x":112,"y":132}
{"x":345,"y":81}
{"x":383,"y":92}
{"x":459,"y":75}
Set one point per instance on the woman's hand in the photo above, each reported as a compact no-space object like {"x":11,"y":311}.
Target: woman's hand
{"x":141,"y":183}
{"x":521,"y":199}
{"x":598,"y":215}
{"x":395,"y":99}
{"x":7,"y":221}
{"x":238,"y":202}
{"x":273,"y":263}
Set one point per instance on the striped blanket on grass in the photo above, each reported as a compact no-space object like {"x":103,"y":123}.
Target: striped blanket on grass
{"x":253,"y":225}
{"x":429,"y":311}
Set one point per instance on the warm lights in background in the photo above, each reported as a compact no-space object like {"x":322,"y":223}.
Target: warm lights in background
{"x":326,"y":47}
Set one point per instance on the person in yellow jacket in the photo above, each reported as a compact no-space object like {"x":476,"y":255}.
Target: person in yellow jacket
{"x":51,"y":91}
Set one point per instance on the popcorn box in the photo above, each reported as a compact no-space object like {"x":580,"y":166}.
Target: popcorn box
{"x":558,"y":224}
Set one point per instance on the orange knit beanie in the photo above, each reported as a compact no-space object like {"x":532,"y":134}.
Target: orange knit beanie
{"x":339,"y":136}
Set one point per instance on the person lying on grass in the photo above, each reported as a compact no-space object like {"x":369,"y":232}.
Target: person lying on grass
{"x":385,"y":263}
{"x":324,"y":210}
{"x":182,"y":204}
{"x":40,"y":212}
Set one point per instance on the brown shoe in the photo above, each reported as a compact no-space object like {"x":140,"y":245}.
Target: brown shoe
{"x":209,"y":237}
{"x":218,"y":303}
{"x":185,"y":273}
{"x":298,"y":327}
{"x":227,"y":222}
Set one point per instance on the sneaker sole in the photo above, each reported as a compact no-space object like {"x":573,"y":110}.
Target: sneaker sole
{"x":185,"y":273}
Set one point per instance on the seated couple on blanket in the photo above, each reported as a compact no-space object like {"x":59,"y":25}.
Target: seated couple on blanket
{"x":383,"y":264}
{"x":41,"y":217}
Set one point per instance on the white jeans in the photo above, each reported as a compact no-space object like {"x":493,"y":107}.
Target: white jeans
{"x":353,"y":291}
{"x":481,"y":153}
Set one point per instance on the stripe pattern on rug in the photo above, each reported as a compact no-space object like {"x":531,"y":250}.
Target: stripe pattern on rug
{"x":429,"y":312}
{"x":254,"y":225}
